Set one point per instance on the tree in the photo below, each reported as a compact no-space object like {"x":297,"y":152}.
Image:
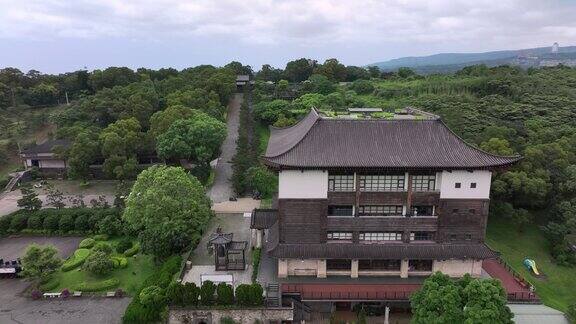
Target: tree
{"x":169,"y":208}
{"x":442,"y":300}
{"x":98,"y":263}
{"x":405,"y":72}
{"x":268,"y":73}
{"x":40,"y":261}
{"x":29,"y":200}
{"x":198,"y":99}
{"x":161,"y":121}
{"x":321,"y":84}
{"x":55,"y":197}
{"x":333,"y":70}
{"x":362,"y":87}
{"x":270,"y":112}
{"x":198,"y":139}
{"x":354,"y":73}
{"x":225,"y":294}
{"x":122,"y":138}
{"x":207,"y":292}
{"x":299,"y":70}
{"x":497,"y":146}
{"x":262,"y":180}
{"x":82,"y":154}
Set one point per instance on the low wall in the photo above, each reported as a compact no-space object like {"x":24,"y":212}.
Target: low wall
{"x":213,"y":316}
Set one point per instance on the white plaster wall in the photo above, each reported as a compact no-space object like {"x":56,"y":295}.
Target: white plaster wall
{"x":303,"y":184}
{"x":449,"y":179}
{"x":458,"y":268}
{"x":52,"y":164}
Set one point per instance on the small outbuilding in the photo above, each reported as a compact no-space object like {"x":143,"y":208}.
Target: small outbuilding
{"x":228,"y":254}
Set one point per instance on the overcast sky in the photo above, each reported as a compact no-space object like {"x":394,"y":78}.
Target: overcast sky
{"x":58,"y":36}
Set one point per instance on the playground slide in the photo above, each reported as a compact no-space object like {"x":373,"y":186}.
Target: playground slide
{"x":531,"y":264}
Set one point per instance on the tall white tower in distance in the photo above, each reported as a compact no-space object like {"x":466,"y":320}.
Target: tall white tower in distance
{"x":555,"y":47}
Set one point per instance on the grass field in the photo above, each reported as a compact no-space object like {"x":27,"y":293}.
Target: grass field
{"x":139,"y":268}
{"x":558,"y":290}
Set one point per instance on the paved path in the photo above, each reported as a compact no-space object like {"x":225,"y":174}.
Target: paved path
{"x":221,"y":189}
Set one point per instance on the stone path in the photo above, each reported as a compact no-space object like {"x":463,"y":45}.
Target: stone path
{"x":221,"y":189}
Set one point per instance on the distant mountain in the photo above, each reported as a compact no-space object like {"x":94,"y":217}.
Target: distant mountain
{"x":450,"y":62}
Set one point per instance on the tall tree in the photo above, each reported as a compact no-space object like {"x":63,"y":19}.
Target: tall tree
{"x":82,"y":154}
{"x":40,"y":261}
{"x":299,"y":70}
{"x":168,"y":208}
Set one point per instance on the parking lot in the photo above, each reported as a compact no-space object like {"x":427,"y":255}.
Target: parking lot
{"x":15,"y":307}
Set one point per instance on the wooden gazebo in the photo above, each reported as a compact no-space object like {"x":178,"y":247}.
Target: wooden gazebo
{"x":228,"y":254}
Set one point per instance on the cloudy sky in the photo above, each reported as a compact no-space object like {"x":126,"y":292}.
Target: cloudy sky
{"x":57,"y":35}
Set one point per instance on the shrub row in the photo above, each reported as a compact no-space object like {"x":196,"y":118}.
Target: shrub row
{"x":210,"y":294}
{"x":132,"y":251}
{"x":98,"y":286}
{"x":62,"y":221}
{"x":256,"y":256}
{"x":76,"y":259}
{"x":119,"y":262}
{"x":136,"y":312}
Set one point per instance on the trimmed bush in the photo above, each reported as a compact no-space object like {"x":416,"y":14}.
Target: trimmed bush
{"x":98,"y":286}
{"x":81,"y":223}
{"x":87,"y":243}
{"x":101,"y":237}
{"x":190,"y":294}
{"x":98,"y":263}
{"x":103,"y":247}
{"x":36,"y":294}
{"x":249,"y":295}
{"x":124,"y":244}
{"x":65,"y":293}
{"x":66,"y":223}
{"x":243,"y":294}
{"x":51,"y":222}
{"x":35,"y":222}
{"x":225,"y":294}
{"x":75,"y":260}
{"x":132,"y":251}
{"x":152,"y":297}
{"x":119,"y":262}
{"x":207,"y":292}
{"x":19,"y":222}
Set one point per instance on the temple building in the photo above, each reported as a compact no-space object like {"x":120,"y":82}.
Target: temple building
{"x":374,"y":201}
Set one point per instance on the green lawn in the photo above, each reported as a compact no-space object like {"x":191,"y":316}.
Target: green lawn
{"x":558,"y":290}
{"x":139,"y":268}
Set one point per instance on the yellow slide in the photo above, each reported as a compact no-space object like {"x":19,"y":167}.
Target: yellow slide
{"x":535,"y":269}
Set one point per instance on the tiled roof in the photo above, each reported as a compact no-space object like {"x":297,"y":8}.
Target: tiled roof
{"x":263,"y":218}
{"x":426,"y":251}
{"x":47,"y":146}
{"x":317,"y":142}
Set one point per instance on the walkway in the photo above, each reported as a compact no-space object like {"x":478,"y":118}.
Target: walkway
{"x":515,"y":290}
{"x":221,"y":189}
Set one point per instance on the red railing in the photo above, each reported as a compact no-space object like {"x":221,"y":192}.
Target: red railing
{"x":352,"y":292}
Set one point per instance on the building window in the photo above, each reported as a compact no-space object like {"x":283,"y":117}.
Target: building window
{"x":379,"y":265}
{"x":472,"y":211}
{"x":422,"y":211}
{"x":455,"y":210}
{"x":423,"y":182}
{"x":339,"y":236}
{"x":453,"y":237}
{"x":473,"y":185}
{"x":468,"y":237}
{"x":422,"y":236}
{"x":380,"y":236}
{"x":340,"y":210}
{"x":341,"y":182}
{"x":457,"y":185}
{"x":420,"y":265}
{"x":338,"y":264}
{"x":380,"y":210}
{"x":382,"y":182}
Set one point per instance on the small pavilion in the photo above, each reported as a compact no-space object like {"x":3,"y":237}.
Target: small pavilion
{"x":228,"y":254}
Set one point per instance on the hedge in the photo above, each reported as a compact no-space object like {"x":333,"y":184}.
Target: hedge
{"x":132,"y":251}
{"x":87,"y":243}
{"x":61,"y":221}
{"x":256,"y":256}
{"x":119,"y":262}
{"x":76,"y":260}
{"x":97,"y":286}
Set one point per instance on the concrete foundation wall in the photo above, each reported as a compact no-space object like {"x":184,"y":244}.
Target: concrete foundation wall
{"x":214,"y":316}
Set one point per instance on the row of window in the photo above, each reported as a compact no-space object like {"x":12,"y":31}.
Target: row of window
{"x":379,"y":236}
{"x":393,"y":182}
{"x":379,"y":265}
{"x":378,"y":210}
{"x":458,"y":185}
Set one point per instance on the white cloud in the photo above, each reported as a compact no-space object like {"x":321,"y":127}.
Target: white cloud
{"x":304,"y":22}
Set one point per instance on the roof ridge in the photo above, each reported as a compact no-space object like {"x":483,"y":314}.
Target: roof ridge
{"x":314,"y":113}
